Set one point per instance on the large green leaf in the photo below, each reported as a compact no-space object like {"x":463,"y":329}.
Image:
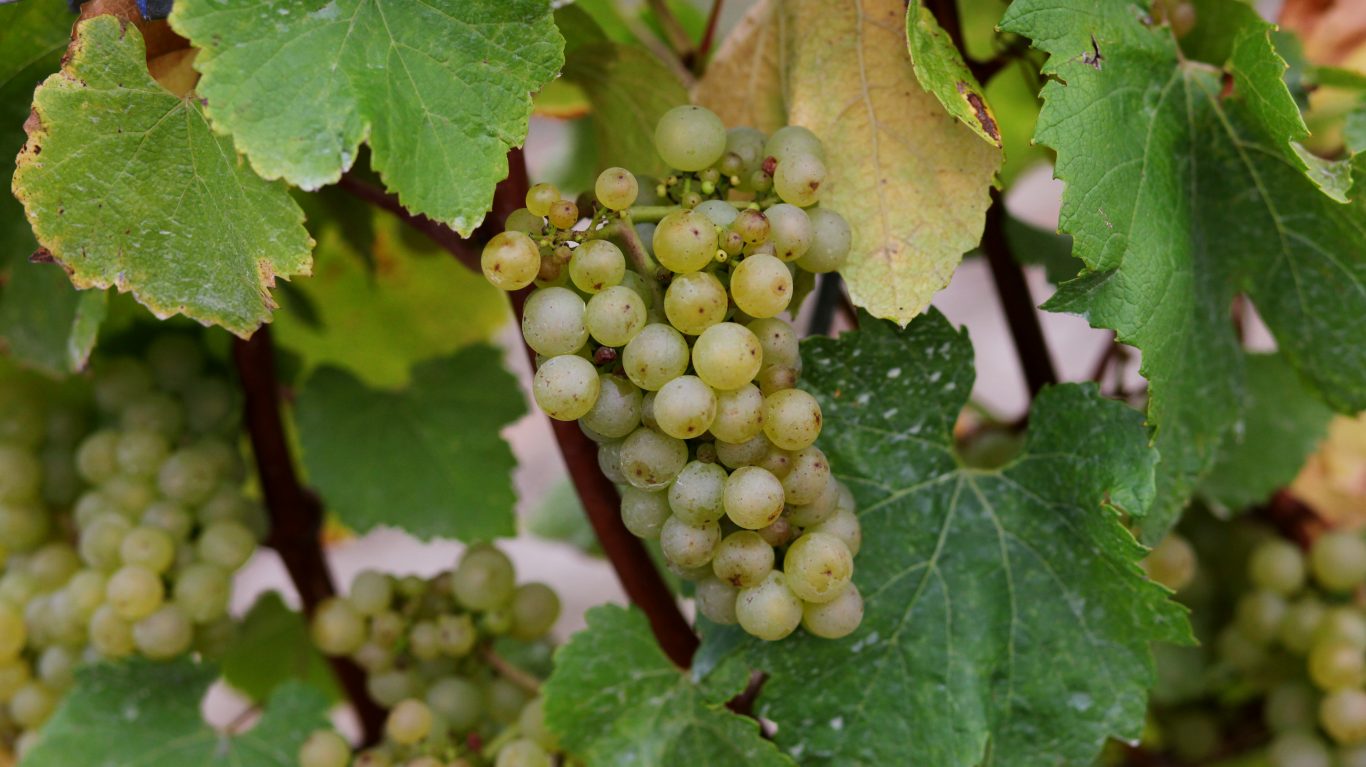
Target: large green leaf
{"x":426,"y":459}
{"x":272,"y":647}
{"x":615,"y":699}
{"x":46,"y":323}
{"x":1182,"y":191}
{"x":441,"y":89}
{"x":127,"y":186}
{"x":1007,"y":621}
{"x":147,"y":714}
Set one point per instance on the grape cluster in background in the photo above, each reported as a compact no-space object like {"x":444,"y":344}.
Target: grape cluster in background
{"x":435,"y":652}
{"x":665,"y":342}
{"x":122,"y":521}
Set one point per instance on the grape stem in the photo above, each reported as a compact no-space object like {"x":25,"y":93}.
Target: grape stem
{"x":650,"y":214}
{"x":523,"y":679}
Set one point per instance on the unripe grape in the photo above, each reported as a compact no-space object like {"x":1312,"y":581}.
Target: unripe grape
{"x":727,"y":356}
{"x":696,"y":494}
{"x":32,"y":705}
{"x":553,"y":322}
{"x":371,"y":592}
{"x":337,"y":629}
{"x":524,"y":221}
{"x":761,"y":286}
{"x":616,"y":412}
{"x":164,"y":634}
{"x":1343,"y":716}
{"x":202,"y":590}
{"x":324,"y":748}
{"x":831,"y":240}
{"x":540,"y":197}
{"x":798,"y":179}
{"x":1172,"y":562}
{"x":690,"y":138}
{"x":484,"y":579}
{"x":505,"y":700}
{"x":644,"y":512}
{"x":1300,"y":625}
{"x":535,"y":608}
{"x":457,"y":634}
{"x":685,"y":241}
{"x":818,"y":567}
{"x":747,"y":453}
{"x":616,"y":189}
{"x":753,"y":497}
{"x":695,"y":302}
{"x":227,"y":544}
{"x":135,"y":592}
{"x":743,"y":559}
{"x":563,"y":214}
{"x":1260,"y":614}
{"x":141,"y":452}
{"x":458,"y":701}
{"x":843,"y":525}
{"x":685,"y":407}
{"x":597,"y":265}
{"x":1277,"y":566}
{"x":716,"y":600}
{"x":1334,"y":665}
{"x":837,"y":618}
{"x":409,"y":722}
{"x":792,"y":419}
{"x":510,"y":260}
{"x":739,"y":414}
{"x":769,"y":610}
{"x":791,"y":231}
{"x":97,"y":457}
{"x":775,"y":378}
{"x":792,"y":140}
{"x":615,"y":316}
{"x":1338,"y":560}
{"x":522,"y":752}
{"x":719,"y":212}
{"x":748,"y":144}
{"x":565,"y":387}
{"x":110,"y":635}
{"x":657,"y":355}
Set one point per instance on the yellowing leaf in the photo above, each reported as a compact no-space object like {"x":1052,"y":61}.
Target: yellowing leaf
{"x":744,"y":81}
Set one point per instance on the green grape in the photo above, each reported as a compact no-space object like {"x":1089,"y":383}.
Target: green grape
{"x":388,"y":688}
{"x":52,"y":565}
{"x":110,"y":635}
{"x":119,"y":381}
{"x":148,"y":547}
{"x":170,"y":518}
{"x":1338,"y":560}
{"x":616,"y":412}
{"x":337,"y":629}
{"x":737,"y":454}
{"x":818,"y":567}
{"x":13,"y":633}
{"x":1290,"y":706}
{"x":688,"y":545}
{"x":609,"y":462}
{"x":616,"y":189}
{"x":97,"y":457}
{"x":23,"y":527}
{"x":1298,"y":749}
{"x":644,"y":512}
{"x":727,"y":356}
{"x":597,"y":265}
{"x":553,"y":322}
{"x":775,"y":378}
{"x":1260,"y":614}
{"x":743,"y":559}
{"x":387,"y":627}
{"x":793,"y":140}
{"x":135,"y":592}
{"x":690,"y":138}
{"x":14,"y":675}
{"x":372,"y":592}
{"x":32,"y":705}
{"x":140,"y":453}
{"x":819,"y":510}
{"x":458,"y":701}
{"x":17,"y":588}
{"x":831,"y":240}
{"x":540,"y":197}
{"x":809,"y":476}
{"x":657,"y":355}
{"x":776,"y":461}
{"x":484,"y":579}
{"x":227,"y":544}
{"x":209,"y":404}
{"x":837,"y":618}
{"x":685,"y":241}
{"x":739,"y":414}
{"x":719,"y":212}
{"x":154,"y":412}
{"x":510,"y":261}
{"x":564,"y":214}
{"x":522,"y":752}
{"x":130,"y":495}
{"x":458,"y":634}
{"x":769,"y":610}
{"x":409,"y":722}
{"x":21,"y":475}
{"x":374,"y":657}
{"x":615,"y":316}
{"x":424,"y":641}
{"x":1334,"y":665}
{"x":1277,"y":566}
{"x":791,"y":231}
{"x":164,"y":634}
{"x":1343,"y":716}
{"x":1172,"y":562}
{"x":1300,"y":625}
{"x":752,"y":225}
{"x":566,"y":387}
{"x":792,"y":419}
{"x":174,"y":360}
{"x":532,"y":724}
{"x":843,"y":525}
{"x":1342,"y":623}
{"x":778,"y":341}
{"x":695,"y":302}
{"x":524,"y":221}
{"x":753,"y":497}
{"x":505,"y":701}
{"x":695,"y":495}
{"x":798,"y":179}
{"x":748,"y":144}
{"x":85,"y":591}
{"x":651,"y":460}
{"x":761,"y":286}
{"x":324,"y":748}
{"x":202,"y":590}
{"x":535,"y":608}
{"x":685,"y":407}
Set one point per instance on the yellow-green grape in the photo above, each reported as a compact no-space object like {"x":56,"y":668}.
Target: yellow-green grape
{"x":696,"y":494}
{"x":524,"y":221}
{"x":522,"y":752}
{"x":1277,"y":566}
{"x":688,"y":545}
{"x":651,"y":460}
{"x":694,"y":302}
{"x":20,"y":475}
{"x":1298,"y":749}
{"x":553,"y":322}
{"x":1335,"y":665}
{"x":1300,"y":624}
{"x":657,"y":355}
{"x":1338,"y":560}
{"x":690,"y":138}
{"x":616,"y":189}
{"x":164,"y":634}
{"x":535,"y":608}
{"x":761,"y":286}
{"x":776,"y":378}
{"x":1171,"y":563}
{"x":510,"y":261}
{"x":830,"y":242}
{"x":843,"y":525}
{"x":324,"y":748}
{"x":777,"y":461}
{"x":1354,"y":756}
{"x":457,"y":634}
{"x":540,"y":197}
{"x":837,"y":618}
{"x":685,"y":241}
{"x":818,"y":567}
{"x":458,"y":701}
{"x":819,"y":510}
{"x":736,"y":454}
{"x":597,"y":265}
{"x":790,"y":231}
{"x":727,"y":356}
{"x":97,"y":457}
{"x":719,"y":212}
{"x":769,"y":610}
{"x":752,"y":226}
{"x":808,"y":476}
{"x":743,"y":559}
{"x":753,"y":497}
{"x":616,"y":412}
{"x":337,"y":629}
{"x":1290,"y":706}
{"x":566,"y":387}
{"x":1260,"y":614}
{"x":793,"y":140}
{"x":110,"y":635}
{"x":1343,"y":716}
{"x":739,"y":414}
{"x":748,"y":144}
{"x":227,"y":543}
{"x":798,"y":179}
{"x":716,"y":600}
{"x":135,"y":592}
{"x":148,"y":547}
{"x":409,"y":722}
{"x":684,"y":407}
{"x":792,"y":419}
{"x":13,"y":633}
{"x":32,"y":705}
{"x":484,"y":579}
{"x":140,"y":453}
{"x":1342,"y":623}
{"x":644,"y":512}
{"x":564,"y":214}
{"x":615,"y":316}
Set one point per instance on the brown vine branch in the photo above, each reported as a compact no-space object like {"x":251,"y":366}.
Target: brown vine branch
{"x":1013,"y":292}
{"x":296,"y":515}
{"x":674,"y":33}
{"x":699,"y":61}
{"x":523,"y":679}
{"x":439,"y":233}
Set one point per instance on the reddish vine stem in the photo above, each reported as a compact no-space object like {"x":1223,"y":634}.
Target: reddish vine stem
{"x":296,"y":514}
{"x":1013,"y":292}
{"x":699,"y":62}
{"x":448,"y":239}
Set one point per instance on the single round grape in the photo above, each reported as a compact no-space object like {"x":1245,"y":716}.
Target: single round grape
{"x":21,"y":475}
{"x":615,"y":316}
{"x":135,"y":592}
{"x":1334,"y":665}
{"x":1172,"y":562}
{"x":148,"y":547}
{"x":510,"y":260}
{"x":696,"y":494}
{"x":97,"y":457}
{"x":743,"y":559}
{"x":597,"y":265}
{"x":458,"y":701}
{"x":141,"y":452}
{"x":505,"y":700}
{"x":793,"y":140}
{"x":372,"y":592}
{"x":684,"y":407}
{"x":1277,"y":566}
{"x":761,"y":286}
{"x":563,"y":214}
{"x":14,"y":675}
{"x":164,"y":634}
{"x":651,"y":460}
{"x":566,"y":387}
{"x":424,"y":641}
{"x":798,"y":179}
{"x":1338,"y":560}
{"x":337,"y":629}
{"x":1342,"y":623}
{"x":324,"y":748}
{"x":202,"y":590}
{"x":1298,"y":749}
{"x":110,"y":635}
{"x":174,"y":520}
{"x":778,"y":341}
{"x":1290,"y":706}
{"x":719,"y":212}
{"x":210,"y":403}
{"x":532,"y":724}
{"x":388,"y":688}
{"x":616,"y":412}
{"x":775,"y":378}
{"x":484,"y":579}
{"x":821,"y":509}
{"x":13,"y":633}
{"x":522,"y":752}
{"x":791,"y":231}
{"x":831,"y":240}
{"x":748,"y":144}
{"x":753,"y":497}
{"x":553,"y":322}
{"x":809,"y":476}
{"x":535,"y":608}
{"x":609,"y":462}
{"x":685,"y":241}
{"x":727,"y":356}
{"x":524,"y":221}
{"x":716,"y":600}
{"x":1260,"y":614}
{"x":154,"y":412}
{"x":736,"y":454}
{"x":843,"y":525}
{"x":776,"y":461}
{"x":1343,"y":716}
{"x":643,"y":511}
{"x":837,"y":618}
{"x":409,"y":722}
{"x":818,"y":567}
{"x":374,"y":657}
{"x":792,"y":419}
{"x":695,"y":302}
{"x":32,"y":705}
{"x":739,"y":414}
{"x":227,"y":544}
{"x":457,"y":633}
{"x":688,"y":545}
{"x":540,"y":197}
{"x":22,"y":527}
{"x":85,"y":591}
{"x":769,"y":610}
{"x":690,"y":138}
{"x":657,"y":355}
{"x":1300,"y":624}
{"x":616,"y":189}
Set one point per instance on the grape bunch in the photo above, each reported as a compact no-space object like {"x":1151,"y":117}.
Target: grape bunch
{"x":122,"y":519}
{"x":683,"y":371}
{"x":433,"y":652}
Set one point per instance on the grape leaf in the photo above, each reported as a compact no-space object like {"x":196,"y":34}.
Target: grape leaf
{"x":941,"y":71}
{"x":357,"y":303}
{"x":146,"y":713}
{"x":1281,"y":425}
{"x":745,"y":82}
{"x":272,"y":647}
{"x":1006,"y":619}
{"x":441,"y":89}
{"x":47,"y":324}
{"x":127,"y":186}
{"x":615,"y":699}
{"x":1184,"y":189}
{"x":446,"y":472}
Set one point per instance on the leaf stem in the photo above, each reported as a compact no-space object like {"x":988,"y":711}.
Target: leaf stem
{"x":674,"y":34}
{"x":651,"y":214}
